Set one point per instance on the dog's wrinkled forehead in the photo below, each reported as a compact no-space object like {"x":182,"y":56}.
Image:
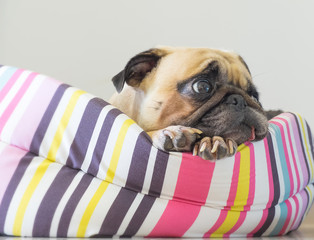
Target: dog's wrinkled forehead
{"x":179,"y":64}
{"x":188,"y":62}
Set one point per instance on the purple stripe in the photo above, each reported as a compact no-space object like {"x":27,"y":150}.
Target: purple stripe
{"x":72,"y":204}
{"x":102,"y":141}
{"x":274,"y":170}
{"x":84,"y":133}
{"x":139,"y":216}
{"x":51,"y":200}
{"x":14,"y":182}
{"x":44,"y":123}
{"x":305,"y":204}
{"x":303,"y":158}
{"x":139,"y":163}
{"x":117,"y":213}
{"x":159,"y":173}
{"x":267,"y":223}
{"x":310,"y":139}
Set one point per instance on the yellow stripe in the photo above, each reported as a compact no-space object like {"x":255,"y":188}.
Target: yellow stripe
{"x":306,"y":146}
{"x":310,"y":199}
{"x":17,"y":227}
{"x":229,"y":222}
{"x":241,"y":195}
{"x":63,"y":124}
{"x":90,"y":208}
{"x":109,"y":178}
{"x":244,"y":180}
{"x":117,"y":150}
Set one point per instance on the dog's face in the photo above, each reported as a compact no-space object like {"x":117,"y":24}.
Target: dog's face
{"x":202,"y":88}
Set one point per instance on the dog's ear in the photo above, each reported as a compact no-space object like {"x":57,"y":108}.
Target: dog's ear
{"x":136,"y":69}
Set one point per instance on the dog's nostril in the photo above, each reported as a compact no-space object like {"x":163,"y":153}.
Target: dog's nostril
{"x":236,"y":100}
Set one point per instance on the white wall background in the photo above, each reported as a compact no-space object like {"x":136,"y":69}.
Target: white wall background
{"x":85,"y":43}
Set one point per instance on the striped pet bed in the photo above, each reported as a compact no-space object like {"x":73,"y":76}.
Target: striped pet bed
{"x":71,"y":165}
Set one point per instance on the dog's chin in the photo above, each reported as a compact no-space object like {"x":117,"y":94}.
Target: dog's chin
{"x":240,"y":126}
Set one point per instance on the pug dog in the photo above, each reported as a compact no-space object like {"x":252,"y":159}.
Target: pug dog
{"x":192,"y":99}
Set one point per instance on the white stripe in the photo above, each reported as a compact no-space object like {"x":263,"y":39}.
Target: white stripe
{"x":20,"y":109}
{"x":221,"y":182}
{"x":3,"y":69}
{"x":250,"y":222}
{"x":37,"y":198}
{"x":205,"y":220}
{"x":55,"y":120}
{"x":101,"y":209}
{"x":261,"y":195}
{"x":171,"y":175}
{"x":13,"y":91}
{"x":2,"y":146}
{"x":152,"y":217}
{"x":110,"y":146}
{"x":126,"y":155}
{"x":130,"y":213}
{"x":94,"y":138}
{"x":149,"y":170}
{"x":19,"y":192}
{"x":71,"y":128}
{"x":62,"y":204}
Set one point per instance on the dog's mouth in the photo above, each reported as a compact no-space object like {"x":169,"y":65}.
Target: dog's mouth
{"x":230,"y":113}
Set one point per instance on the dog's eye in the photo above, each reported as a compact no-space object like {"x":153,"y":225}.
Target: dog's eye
{"x":201,"y":86}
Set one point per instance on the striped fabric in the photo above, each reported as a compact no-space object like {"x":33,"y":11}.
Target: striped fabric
{"x":71,"y":165}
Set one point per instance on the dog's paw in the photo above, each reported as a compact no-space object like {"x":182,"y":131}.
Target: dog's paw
{"x":215,"y":148}
{"x":176,"y":138}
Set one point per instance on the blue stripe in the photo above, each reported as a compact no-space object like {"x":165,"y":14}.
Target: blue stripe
{"x":4,"y":78}
{"x":282,"y":219}
{"x":283,"y":160}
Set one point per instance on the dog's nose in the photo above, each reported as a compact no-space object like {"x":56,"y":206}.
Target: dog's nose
{"x":237,"y":101}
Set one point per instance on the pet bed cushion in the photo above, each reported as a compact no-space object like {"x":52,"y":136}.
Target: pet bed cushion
{"x":72,"y":165}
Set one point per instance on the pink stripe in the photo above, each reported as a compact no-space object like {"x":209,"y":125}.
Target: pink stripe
{"x":297,"y":210}
{"x":220,"y":221}
{"x":234,"y":181}
{"x":33,"y":114}
{"x":271,"y":190}
{"x":289,"y":212}
{"x":282,"y":133}
{"x":293,"y":155}
{"x":192,"y":187}
{"x":9,"y":84}
{"x":7,"y":113}
{"x":9,"y":159}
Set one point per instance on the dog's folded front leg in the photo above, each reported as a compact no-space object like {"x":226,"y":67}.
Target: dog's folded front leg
{"x":175,"y":138}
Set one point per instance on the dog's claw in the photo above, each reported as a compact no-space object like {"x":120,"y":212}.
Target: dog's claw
{"x":215,"y":148}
